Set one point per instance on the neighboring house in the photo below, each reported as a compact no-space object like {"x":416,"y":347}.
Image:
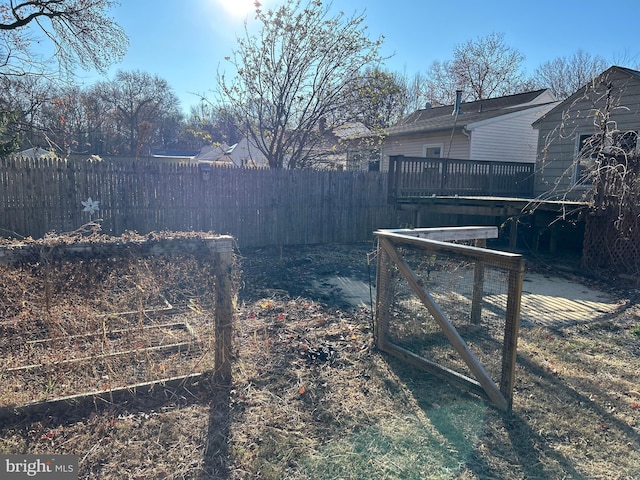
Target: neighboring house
{"x":497,"y":129}
{"x":242,"y":154}
{"x":36,"y":152}
{"x":171,"y":155}
{"x":213,"y":154}
{"x":565,"y":130}
{"x":329,"y":152}
{"x":334,"y":147}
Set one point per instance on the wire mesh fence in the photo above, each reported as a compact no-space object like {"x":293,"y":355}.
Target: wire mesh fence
{"x":451,"y":308}
{"x":111,"y":317}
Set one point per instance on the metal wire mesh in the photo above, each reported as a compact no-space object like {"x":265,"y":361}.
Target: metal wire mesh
{"x":76,"y":327}
{"x":450,"y":282}
{"x":467,"y":290}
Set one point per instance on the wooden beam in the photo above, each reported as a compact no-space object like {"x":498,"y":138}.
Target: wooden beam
{"x":127,"y":394}
{"x":448,"y":234}
{"x":494,"y":258}
{"x":225,"y":303}
{"x":384,"y":298}
{"x":33,"y":252}
{"x":478,"y":287}
{"x":433,"y":368}
{"x":511,"y":332}
{"x":489,"y":386}
{"x":163,"y":349}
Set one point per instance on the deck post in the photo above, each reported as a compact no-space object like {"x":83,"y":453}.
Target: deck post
{"x":513,"y":232}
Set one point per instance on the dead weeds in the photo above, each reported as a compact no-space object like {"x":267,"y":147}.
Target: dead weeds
{"x":312,"y":399}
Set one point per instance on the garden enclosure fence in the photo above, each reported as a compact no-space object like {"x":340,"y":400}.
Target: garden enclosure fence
{"x":89,"y":316}
{"x":449,"y":308}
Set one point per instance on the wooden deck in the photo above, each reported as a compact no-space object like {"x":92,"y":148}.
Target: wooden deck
{"x":411,"y":177}
{"x":502,"y":190}
{"x":489,"y":205}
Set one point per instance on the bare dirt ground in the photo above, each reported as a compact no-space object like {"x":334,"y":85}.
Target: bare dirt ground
{"x":312,"y":399}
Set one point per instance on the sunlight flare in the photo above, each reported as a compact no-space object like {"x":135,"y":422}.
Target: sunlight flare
{"x":237,"y":8}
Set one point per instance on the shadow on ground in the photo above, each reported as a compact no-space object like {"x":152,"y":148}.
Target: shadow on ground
{"x":531,"y":439}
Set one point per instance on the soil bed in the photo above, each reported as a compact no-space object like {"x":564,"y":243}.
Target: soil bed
{"x":312,"y":399}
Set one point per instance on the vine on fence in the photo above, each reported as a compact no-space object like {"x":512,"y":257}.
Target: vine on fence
{"x":612,"y":239}
{"x":85,"y":313}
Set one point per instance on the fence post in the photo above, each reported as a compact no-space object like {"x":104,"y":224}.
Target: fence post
{"x":511,"y":331}
{"x":395,"y":171}
{"x":384,"y":298}
{"x":478,"y":286}
{"x":224,"y":296}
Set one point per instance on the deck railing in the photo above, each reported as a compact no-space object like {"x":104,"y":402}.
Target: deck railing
{"x":411,"y":177}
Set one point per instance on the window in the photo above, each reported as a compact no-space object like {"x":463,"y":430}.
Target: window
{"x":623,"y":143}
{"x":432,"y":150}
{"x":618,"y":144}
{"x":586,"y":154}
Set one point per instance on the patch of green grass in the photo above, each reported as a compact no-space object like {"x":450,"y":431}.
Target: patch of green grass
{"x":406,"y":448}
{"x":636,"y":331}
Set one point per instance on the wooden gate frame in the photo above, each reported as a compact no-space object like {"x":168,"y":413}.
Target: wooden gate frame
{"x":436,"y":240}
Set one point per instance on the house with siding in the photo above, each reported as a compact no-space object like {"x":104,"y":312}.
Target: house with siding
{"x":497,"y":129}
{"x":245,"y":153}
{"x":567,"y":130}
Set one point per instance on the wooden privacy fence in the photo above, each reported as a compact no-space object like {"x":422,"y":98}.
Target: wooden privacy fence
{"x":451,"y":309}
{"x":420,"y":177}
{"x":258,"y":207}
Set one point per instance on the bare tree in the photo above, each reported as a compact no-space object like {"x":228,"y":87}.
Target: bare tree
{"x":417,"y":94}
{"x":481,"y":68}
{"x":81,"y":32}
{"x":9,"y":141}
{"x":139,"y":103}
{"x":209,"y":123}
{"x":564,"y":76}
{"x":24,"y":99}
{"x":442,"y":82}
{"x":294,"y":77}
{"x":379,"y":99}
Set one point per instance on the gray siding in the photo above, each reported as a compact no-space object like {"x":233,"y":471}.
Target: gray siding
{"x":559,"y":130}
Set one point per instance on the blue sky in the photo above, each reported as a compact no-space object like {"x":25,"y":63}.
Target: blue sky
{"x":185,"y":41}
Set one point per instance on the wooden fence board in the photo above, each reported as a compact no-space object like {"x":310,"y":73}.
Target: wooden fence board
{"x":259,"y":207}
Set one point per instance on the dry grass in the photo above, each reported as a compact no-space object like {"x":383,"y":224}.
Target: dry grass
{"x":311,"y":399}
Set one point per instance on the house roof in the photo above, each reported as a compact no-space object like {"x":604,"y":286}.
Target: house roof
{"x":36,"y":152}
{"x":441,"y":118}
{"x":351,"y":130}
{"x":212,"y":153}
{"x":632,"y":74}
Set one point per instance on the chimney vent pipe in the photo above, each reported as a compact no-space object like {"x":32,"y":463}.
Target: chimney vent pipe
{"x":456,"y":107}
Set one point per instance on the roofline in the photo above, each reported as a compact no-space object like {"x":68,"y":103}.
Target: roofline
{"x":627,"y":71}
{"x":427,"y":130}
{"x":523,"y":106}
{"x":506,"y":116}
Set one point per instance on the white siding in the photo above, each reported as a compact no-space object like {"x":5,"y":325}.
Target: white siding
{"x":509,"y":138}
